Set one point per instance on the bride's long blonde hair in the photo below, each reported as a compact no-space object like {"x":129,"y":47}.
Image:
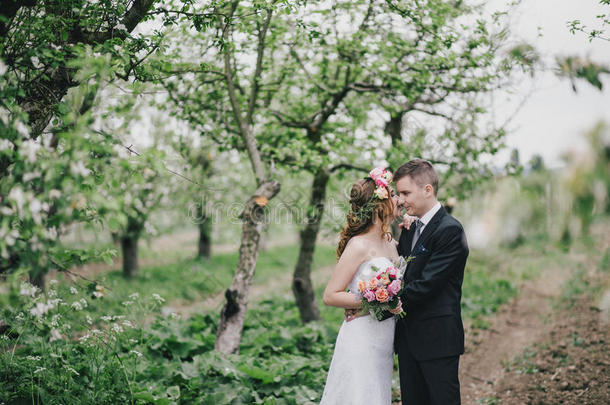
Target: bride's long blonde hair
{"x":364,"y":205}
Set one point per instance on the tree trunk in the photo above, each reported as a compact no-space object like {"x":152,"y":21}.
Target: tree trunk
{"x":205,"y":240}
{"x":233,"y":313}
{"x":302,"y":286}
{"x":37,"y":278}
{"x":129,"y":248}
{"x":393,"y":128}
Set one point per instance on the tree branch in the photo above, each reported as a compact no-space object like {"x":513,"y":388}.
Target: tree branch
{"x":259,"y":63}
{"x":245,"y":131}
{"x":349,"y":166}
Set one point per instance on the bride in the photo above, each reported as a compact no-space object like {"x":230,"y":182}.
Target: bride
{"x":361,"y":368}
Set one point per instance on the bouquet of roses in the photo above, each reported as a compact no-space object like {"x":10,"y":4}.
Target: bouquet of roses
{"x":382,"y":292}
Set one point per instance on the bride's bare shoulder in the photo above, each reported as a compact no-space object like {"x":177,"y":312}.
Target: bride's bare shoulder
{"x":355,"y":248}
{"x":356,"y":243}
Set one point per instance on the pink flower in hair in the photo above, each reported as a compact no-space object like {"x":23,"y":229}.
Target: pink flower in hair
{"x":376,"y":173}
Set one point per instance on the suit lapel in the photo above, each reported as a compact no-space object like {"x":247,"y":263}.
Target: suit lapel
{"x":404,"y":243}
{"x":429,"y":229}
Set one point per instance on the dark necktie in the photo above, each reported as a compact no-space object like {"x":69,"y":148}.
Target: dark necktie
{"x":418,"y":226}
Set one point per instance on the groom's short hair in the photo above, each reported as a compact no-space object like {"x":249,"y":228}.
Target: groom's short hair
{"x":421,"y":171}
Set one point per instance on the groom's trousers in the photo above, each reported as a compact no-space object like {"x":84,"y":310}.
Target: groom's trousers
{"x":429,"y":382}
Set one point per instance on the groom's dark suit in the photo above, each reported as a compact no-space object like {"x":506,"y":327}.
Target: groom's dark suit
{"x":430,"y":339}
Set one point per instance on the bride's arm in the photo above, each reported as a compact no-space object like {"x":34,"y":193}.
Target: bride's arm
{"x":335,"y":294}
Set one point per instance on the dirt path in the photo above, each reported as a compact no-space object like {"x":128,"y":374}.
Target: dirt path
{"x":519,"y":324}
{"x":530,"y":321}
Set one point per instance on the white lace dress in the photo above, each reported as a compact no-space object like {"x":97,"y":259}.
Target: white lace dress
{"x":361,"y":368}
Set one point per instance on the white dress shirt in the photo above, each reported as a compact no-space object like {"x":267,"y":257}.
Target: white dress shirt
{"x":428,"y":215}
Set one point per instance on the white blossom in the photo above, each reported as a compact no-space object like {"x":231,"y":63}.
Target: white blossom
{"x":42,"y":308}
{"x":5,"y":144}
{"x":71,"y":370}
{"x":30,"y":176}
{"x":79,"y":169}
{"x":28,"y":149}
{"x":22,"y":129}
{"x":121,"y":27}
{"x":28,"y":290}
{"x":3,"y":67}
{"x":51,"y":233}
{"x":55,"y":335}
{"x":54,"y":193}
{"x":77,"y":306}
{"x":137,"y":353}
{"x":18,"y":196}
{"x":134,"y":296}
{"x":89,"y":320}
{"x":117,"y":328}
{"x":73,"y":290}
{"x":36,"y":62}
{"x":158,"y":298}
{"x":99,"y":291}
{"x":10,"y":238}
{"x":120,"y":151}
{"x":5,"y":115}
{"x":33,"y":358}
{"x":35,"y":208}
{"x":55,"y":320}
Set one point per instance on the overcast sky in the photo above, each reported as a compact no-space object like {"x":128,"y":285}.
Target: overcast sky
{"x":554,"y":118}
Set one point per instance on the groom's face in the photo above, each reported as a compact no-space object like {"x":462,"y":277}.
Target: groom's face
{"x":413,"y":198}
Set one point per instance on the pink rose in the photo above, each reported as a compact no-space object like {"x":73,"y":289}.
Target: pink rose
{"x":369,"y":295}
{"x":392,"y":271}
{"x":394,"y":287}
{"x":376,"y":172}
{"x":381,"y":182}
{"x":385,"y":279}
{"x":382,"y":295}
{"x":373,"y":283}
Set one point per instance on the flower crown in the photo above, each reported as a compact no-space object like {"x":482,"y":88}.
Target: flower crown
{"x":382,"y":178}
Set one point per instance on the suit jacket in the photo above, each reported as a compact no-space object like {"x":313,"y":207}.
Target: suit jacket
{"x":432,"y":292}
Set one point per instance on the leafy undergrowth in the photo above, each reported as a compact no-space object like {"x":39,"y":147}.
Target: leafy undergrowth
{"x":82,"y":349}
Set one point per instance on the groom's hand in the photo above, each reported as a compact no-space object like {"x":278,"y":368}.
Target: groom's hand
{"x":350,"y":314}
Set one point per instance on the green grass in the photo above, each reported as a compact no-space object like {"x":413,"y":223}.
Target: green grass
{"x":191,"y":280}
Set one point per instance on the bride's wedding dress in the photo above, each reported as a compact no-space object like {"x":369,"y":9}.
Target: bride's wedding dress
{"x":361,"y":368}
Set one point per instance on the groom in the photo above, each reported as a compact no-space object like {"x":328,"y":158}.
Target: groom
{"x":430,"y":338}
